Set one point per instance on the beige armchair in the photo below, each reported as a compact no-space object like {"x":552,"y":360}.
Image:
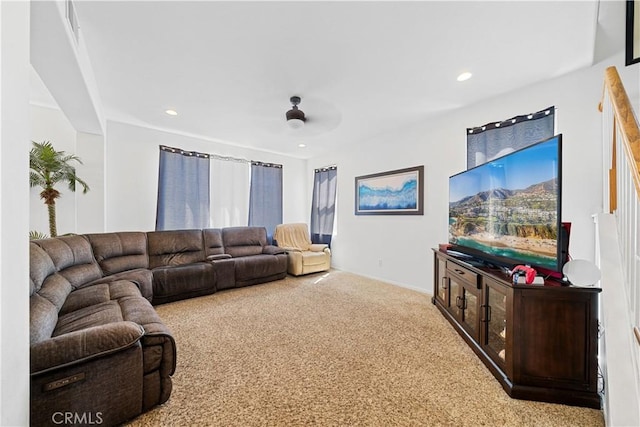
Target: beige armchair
{"x":303,"y":257}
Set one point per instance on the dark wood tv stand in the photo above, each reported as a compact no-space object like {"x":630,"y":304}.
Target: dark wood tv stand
{"x":539,"y":341}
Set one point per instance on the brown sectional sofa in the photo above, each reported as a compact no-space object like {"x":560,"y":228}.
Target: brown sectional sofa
{"x":98,"y":348}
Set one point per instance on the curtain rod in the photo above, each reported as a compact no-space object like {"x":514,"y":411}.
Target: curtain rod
{"x":512,"y":121}
{"x":265,"y":164}
{"x":218,"y":157}
{"x":203,"y":155}
{"x":229,"y":158}
{"x":326,"y":168}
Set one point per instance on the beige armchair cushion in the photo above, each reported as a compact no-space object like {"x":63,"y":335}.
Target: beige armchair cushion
{"x":303,"y":256}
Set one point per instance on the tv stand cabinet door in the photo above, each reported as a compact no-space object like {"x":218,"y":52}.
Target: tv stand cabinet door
{"x":465,"y":306}
{"x":441,"y":282}
{"x":497,"y":323}
{"x":469,"y":309}
{"x":555,"y":339}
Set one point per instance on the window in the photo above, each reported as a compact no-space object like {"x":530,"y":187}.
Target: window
{"x":323,"y":205}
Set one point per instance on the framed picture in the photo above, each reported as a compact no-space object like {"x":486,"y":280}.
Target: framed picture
{"x":632,"y":32}
{"x":398,"y":192}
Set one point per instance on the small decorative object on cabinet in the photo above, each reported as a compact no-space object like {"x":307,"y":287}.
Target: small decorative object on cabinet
{"x":540,"y":342}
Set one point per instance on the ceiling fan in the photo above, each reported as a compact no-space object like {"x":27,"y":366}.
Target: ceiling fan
{"x":297,"y":123}
{"x":295,"y":116}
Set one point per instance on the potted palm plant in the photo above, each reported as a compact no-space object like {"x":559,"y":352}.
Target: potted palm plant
{"x":48,"y":168}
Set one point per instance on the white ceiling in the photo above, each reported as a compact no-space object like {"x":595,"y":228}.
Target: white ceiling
{"x":361,"y":68}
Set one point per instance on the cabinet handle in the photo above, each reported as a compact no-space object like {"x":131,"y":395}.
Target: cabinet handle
{"x":461,"y":303}
{"x":458,"y":302}
{"x":444,"y":283}
{"x":488,"y":313}
{"x":458,"y":271}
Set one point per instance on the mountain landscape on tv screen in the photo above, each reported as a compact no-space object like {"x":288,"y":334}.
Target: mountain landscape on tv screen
{"x":520,"y":220}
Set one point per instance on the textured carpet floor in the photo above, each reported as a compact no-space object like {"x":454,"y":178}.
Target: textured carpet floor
{"x":333,"y":349}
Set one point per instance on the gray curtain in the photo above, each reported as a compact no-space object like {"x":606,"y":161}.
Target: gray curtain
{"x":495,"y":139}
{"x":323,"y":205}
{"x":265,"y":196}
{"x":183,"y":190}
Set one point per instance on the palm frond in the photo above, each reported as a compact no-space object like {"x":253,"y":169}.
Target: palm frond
{"x":37,"y":235}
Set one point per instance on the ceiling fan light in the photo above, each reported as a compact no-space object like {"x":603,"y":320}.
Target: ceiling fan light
{"x":295,"y":123}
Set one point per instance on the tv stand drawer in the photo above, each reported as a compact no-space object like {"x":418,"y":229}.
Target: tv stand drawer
{"x":463,"y":273}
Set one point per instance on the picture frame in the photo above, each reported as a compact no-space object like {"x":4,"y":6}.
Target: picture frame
{"x":632,"y":35}
{"x":396,"y":192}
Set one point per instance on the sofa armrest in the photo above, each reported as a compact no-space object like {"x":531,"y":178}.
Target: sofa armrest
{"x":319,"y":247}
{"x":80,"y":346}
{"x":273,"y":250}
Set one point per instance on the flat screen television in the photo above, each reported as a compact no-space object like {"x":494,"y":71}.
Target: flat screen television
{"x":508,"y":211}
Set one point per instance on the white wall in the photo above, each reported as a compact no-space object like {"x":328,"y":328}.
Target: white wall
{"x":64,"y":66}
{"x":132,"y":174}
{"x":14,"y":208}
{"x":90,"y":212}
{"x":398,"y":248}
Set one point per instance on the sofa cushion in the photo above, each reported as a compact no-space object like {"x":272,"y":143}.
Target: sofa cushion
{"x":117,"y":252}
{"x":183,"y":281}
{"x":40,"y":267}
{"x":98,"y":294}
{"x":141,"y":277}
{"x":175,"y":247}
{"x":244,"y":241}
{"x":260,"y":266}
{"x":98,"y":305}
{"x":73,"y":258}
{"x":86,"y":297}
{"x":87,"y":317}
{"x":44,"y":278}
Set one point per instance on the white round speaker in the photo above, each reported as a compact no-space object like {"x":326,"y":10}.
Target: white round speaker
{"x":581,"y":272}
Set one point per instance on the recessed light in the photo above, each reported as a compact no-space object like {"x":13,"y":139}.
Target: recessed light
{"x":464,"y":76}
{"x":302,"y":145}
{"x":171,"y":112}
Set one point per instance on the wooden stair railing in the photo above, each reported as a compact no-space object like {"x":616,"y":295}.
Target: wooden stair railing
{"x":625,"y":119}
{"x":625,"y":127}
